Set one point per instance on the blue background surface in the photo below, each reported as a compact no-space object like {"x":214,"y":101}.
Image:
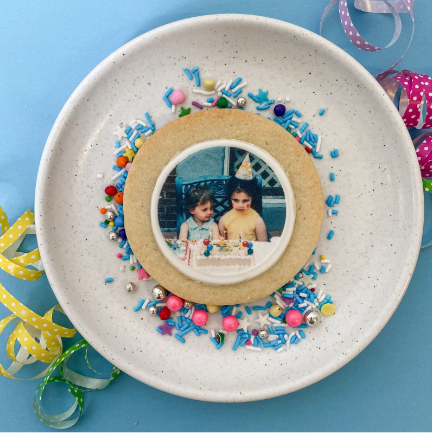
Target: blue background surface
{"x":46,"y":49}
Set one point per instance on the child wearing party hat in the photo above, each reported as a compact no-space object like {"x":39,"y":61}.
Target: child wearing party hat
{"x":242,"y":219}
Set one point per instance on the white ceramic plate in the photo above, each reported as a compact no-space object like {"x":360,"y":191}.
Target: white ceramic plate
{"x":377,"y":232}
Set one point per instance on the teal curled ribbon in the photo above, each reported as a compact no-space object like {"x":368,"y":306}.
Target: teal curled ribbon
{"x":78,"y":385}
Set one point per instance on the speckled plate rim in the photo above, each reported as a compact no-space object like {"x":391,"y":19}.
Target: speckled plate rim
{"x":368,"y":334}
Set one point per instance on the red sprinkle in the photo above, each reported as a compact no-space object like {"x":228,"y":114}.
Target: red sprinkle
{"x":164,"y":313}
{"x":308,"y":150}
{"x":119,"y":255}
{"x":111,"y":190}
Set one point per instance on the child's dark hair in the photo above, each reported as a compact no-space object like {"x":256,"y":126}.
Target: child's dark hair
{"x":197,"y":196}
{"x":250,"y":187}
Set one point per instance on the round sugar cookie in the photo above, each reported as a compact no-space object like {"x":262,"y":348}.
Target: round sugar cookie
{"x":207,"y":125}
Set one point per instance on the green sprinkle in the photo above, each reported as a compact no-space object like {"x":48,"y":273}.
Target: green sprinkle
{"x":132,"y":268}
{"x":222,"y":102}
{"x":184,"y":112}
{"x":108,"y":198}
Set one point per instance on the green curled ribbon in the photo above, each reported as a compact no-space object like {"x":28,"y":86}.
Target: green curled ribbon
{"x":78,"y":384}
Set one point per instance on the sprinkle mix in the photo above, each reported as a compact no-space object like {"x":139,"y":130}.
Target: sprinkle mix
{"x":284,"y":316}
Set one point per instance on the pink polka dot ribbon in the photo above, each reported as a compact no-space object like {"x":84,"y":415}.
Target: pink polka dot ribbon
{"x":415,"y":101}
{"x":423,"y":145}
{"x":378,"y":6}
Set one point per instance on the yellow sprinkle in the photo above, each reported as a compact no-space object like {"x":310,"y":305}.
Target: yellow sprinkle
{"x":139,"y":142}
{"x":322,"y":257}
{"x":209,"y":84}
{"x":275,"y":310}
{"x":211,"y":308}
{"x":328,"y":309}
{"x":111,"y":224}
{"x":129,"y":154}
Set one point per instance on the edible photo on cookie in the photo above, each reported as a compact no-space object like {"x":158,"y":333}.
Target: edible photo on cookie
{"x":222,"y":209}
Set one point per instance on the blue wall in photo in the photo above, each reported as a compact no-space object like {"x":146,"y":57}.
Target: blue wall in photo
{"x":202,"y":163}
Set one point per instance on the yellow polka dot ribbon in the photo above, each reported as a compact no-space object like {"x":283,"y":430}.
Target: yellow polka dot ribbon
{"x":39,"y":337}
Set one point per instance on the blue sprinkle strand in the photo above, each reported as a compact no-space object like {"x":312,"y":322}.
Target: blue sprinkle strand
{"x":188,"y":73}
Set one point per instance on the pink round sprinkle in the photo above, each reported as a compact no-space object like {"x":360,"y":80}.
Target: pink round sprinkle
{"x":127,"y":167}
{"x":177,"y":97}
{"x":293,"y":318}
{"x":200,"y":317}
{"x":119,"y":255}
{"x":174,"y":303}
{"x":230,"y":323}
{"x":298,"y":138}
{"x":248,"y":342}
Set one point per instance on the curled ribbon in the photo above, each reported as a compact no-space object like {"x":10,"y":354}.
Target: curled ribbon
{"x":77,"y":385}
{"x":412,"y":95}
{"x":410,"y":92}
{"x":381,"y":6}
{"x":39,"y":337}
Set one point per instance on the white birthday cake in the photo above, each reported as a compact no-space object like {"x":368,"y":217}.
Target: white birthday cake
{"x":214,"y":256}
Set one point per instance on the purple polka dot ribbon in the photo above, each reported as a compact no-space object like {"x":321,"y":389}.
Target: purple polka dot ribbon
{"x":377,"y":6}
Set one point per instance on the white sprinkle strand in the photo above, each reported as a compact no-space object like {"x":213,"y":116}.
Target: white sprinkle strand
{"x":114,"y":208}
{"x":118,"y":150}
{"x":318,"y":146}
{"x":203,"y":92}
{"x":251,"y":348}
{"x":240,"y":86}
{"x":117,"y":175}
